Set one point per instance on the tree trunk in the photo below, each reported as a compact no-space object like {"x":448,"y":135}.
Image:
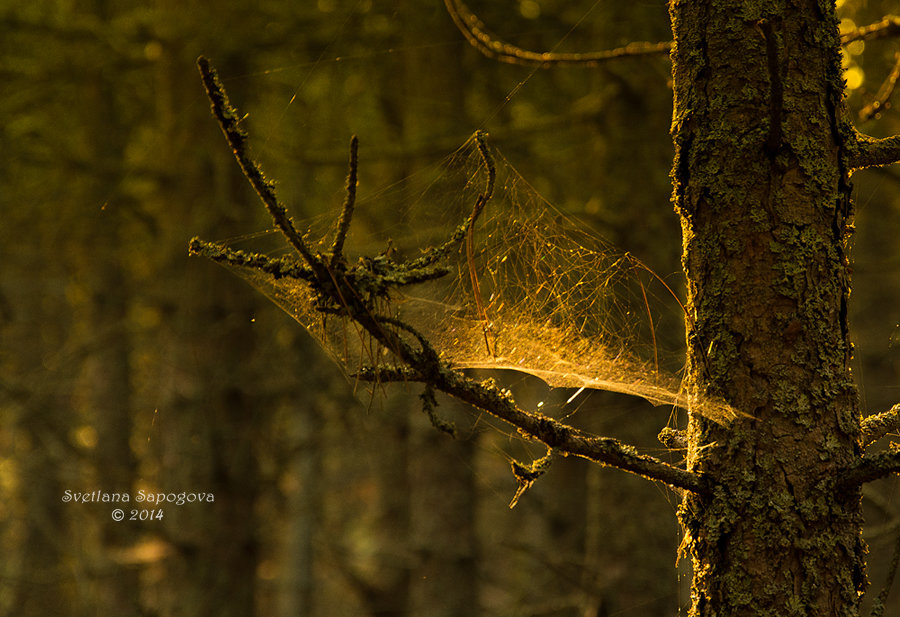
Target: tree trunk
{"x":761,"y":187}
{"x":208,"y":434}
{"x":107,"y":372}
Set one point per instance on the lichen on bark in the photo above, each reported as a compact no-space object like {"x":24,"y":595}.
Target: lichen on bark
{"x":764,"y":211}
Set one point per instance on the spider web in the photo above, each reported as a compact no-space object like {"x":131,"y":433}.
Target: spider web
{"x":528,"y":289}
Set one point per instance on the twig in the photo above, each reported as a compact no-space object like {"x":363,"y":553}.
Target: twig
{"x":877,"y":426}
{"x":485,"y":395}
{"x":230,"y":122}
{"x":526,"y":475}
{"x":470,"y":240}
{"x":433,"y":255}
{"x":278,"y":267}
{"x":884,"y":93}
{"x":429,"y":359}
{"x":492,"y":47}
{"x":347,"y":209}
{"x":889,"y":26}
{"x":429,"y":406}
{"x":485,"y":197}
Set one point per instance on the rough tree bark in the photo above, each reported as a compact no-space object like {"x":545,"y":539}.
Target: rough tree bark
{"x":761,"y":186}
{"x":763,"y":155}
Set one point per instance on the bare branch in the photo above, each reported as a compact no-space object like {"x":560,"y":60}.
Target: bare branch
{"x":563,"y":438}
{"x":433,"y":255}
{"x":278,"y":267}
{"x":868,"y":151}
{"x":526,"y":475}
{"x":887,"y":27}
{"x":884,"y":92}
{"x":485,"y":196}
{"x":492,"y":47}
{"x":870,"y":467}
{"x":230,"y":122}
{"x":877,"y":426}
{"x":429,"y":406}
{"x":470,"y":239}
{"x":485,"y":395}
{"x":347,"y":209}
{"x":497,"y":402}
{"x":428,"y":355}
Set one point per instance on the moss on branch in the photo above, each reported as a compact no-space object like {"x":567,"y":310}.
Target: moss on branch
{"x":487,"y":396}
{"x":278,"y":267}
{"x":230,"y":122}
{"x":877,"y":426}
{"x":867,"y":151}
{"x":869,"y":468}
{"x":361,"y":293}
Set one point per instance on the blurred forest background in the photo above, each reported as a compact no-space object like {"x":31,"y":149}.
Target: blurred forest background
{"x":124,"y":365}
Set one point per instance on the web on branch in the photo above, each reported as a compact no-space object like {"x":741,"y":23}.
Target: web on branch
{"x":524,"y":288}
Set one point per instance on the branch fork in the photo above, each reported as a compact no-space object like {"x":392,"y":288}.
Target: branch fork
{"x":352,"y":292}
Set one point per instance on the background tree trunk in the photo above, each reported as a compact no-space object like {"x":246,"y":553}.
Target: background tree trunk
{"x":104,"y":397}
{"x":762,"y":190}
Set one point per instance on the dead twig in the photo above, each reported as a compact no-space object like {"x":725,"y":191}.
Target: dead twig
{"x":493,"y":47}
{"x":340,"y":235}
{"x":882,"y":99}
{"x":887,"y":27}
